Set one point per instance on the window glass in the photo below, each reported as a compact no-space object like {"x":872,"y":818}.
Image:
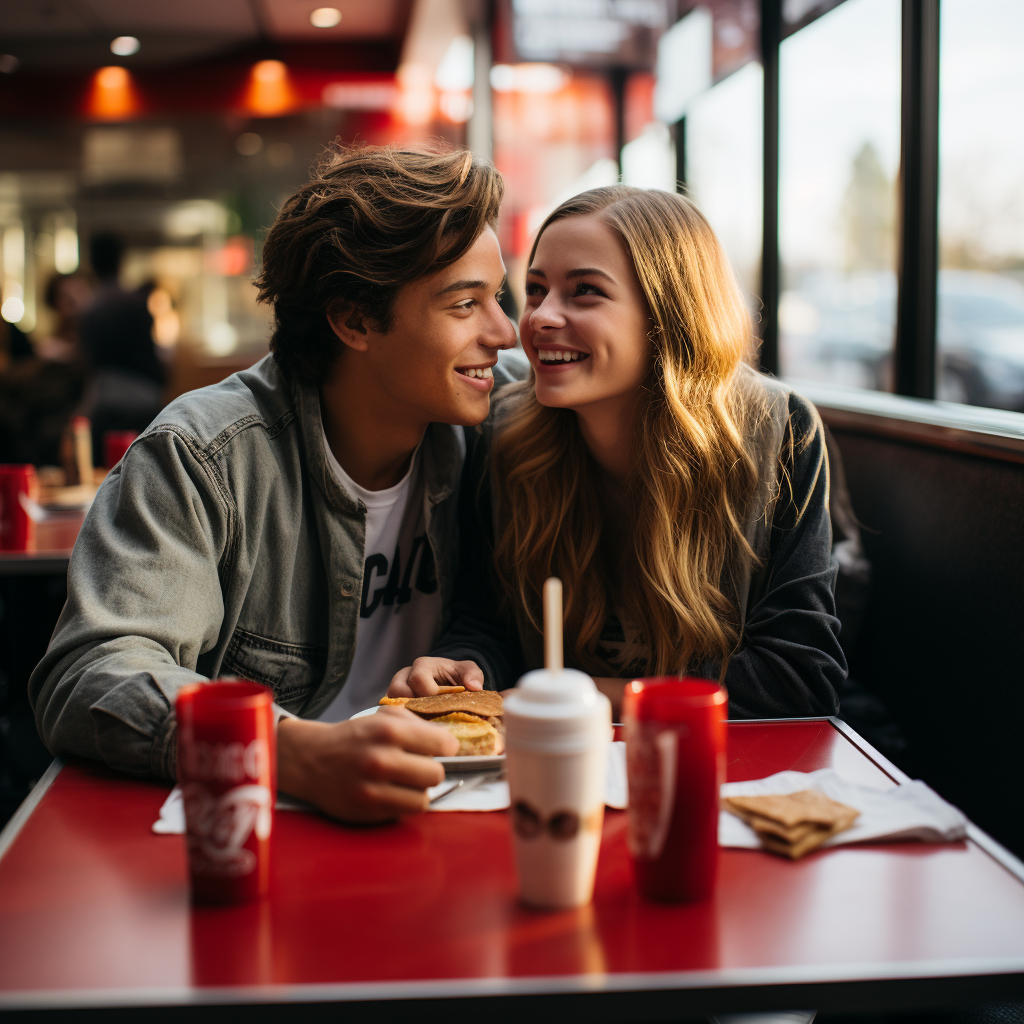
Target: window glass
{"x":981,"y":204}
{"x":724,"y":166}
{"x":839,"y":137}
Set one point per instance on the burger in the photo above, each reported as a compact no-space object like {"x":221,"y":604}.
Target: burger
{"x":473,"y":717}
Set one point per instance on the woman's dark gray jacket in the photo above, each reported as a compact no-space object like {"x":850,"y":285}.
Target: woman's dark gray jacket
{"x":789,"y":661}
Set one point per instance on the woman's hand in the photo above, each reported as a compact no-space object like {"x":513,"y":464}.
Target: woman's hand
{"x":367,"y":770}
{"x":425,"y":675}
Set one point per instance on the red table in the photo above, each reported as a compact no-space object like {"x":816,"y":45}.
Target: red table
{"x":94,"y":912}
{"x":54,"y":540}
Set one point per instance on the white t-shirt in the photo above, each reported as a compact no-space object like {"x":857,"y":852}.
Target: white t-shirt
{"x":400,"y":612}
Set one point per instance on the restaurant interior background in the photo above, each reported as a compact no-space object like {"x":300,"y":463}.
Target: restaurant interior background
{"x":182,"y":128}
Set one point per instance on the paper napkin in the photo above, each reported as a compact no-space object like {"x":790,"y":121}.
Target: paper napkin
{"x":898,"y":813}
{"x":490,"y":796}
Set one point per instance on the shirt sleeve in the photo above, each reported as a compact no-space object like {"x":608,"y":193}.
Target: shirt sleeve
{"x":790,"y":662}
{"x":144,"y":603}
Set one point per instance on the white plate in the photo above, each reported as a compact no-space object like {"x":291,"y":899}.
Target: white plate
{"x":467,"y":763}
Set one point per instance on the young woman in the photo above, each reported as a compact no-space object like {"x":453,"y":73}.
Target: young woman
{"x":681,"y":497}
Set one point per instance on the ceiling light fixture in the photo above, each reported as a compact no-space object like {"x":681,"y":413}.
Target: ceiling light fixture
{"x":325,"y":17}
{"x":112,"y":96}
{"x":125,"y":46}
{"x":270,"y":92}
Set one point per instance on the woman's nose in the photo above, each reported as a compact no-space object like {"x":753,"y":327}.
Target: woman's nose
{"x":547,"y":314}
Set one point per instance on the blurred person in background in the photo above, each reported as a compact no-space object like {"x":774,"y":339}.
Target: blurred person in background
{"x":40,"y":390}
{"x":68,"y":295}
{"x":127,"y":376}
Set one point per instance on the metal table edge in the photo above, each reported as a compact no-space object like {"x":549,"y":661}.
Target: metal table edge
{"x":541,"y":985}
{"x":28,"y":805}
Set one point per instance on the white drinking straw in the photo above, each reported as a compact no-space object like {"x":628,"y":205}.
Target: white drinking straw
{"x":553,"y":624}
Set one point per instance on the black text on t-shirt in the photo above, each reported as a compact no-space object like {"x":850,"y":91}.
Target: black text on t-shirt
{"x":397,"y":589}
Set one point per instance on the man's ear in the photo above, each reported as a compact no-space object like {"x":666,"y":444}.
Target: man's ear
{"x":347,"y":322}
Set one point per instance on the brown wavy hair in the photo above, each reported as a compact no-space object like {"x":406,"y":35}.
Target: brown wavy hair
{"x":694,"y":473}
{"x":370,"y":220}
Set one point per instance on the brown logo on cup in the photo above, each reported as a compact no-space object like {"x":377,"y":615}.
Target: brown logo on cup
{"x":529,"y":823}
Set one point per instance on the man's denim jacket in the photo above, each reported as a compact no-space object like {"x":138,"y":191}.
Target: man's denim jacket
{"x":221,"y":545}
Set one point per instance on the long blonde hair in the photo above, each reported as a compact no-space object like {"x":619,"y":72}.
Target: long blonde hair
{"x":694,"y":473}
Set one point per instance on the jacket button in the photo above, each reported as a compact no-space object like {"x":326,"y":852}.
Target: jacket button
{"x":346,"y":587}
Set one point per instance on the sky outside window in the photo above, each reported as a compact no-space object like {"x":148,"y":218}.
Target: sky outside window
{"x":839,"y":112}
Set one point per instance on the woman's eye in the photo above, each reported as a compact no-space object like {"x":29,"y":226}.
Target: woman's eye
{"x":585,"y":288}
{"x":534,"y":291}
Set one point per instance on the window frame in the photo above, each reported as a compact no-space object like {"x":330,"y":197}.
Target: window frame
{"x":917,"y":196}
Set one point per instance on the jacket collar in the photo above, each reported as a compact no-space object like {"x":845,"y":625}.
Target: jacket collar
{"x":444,"y":448}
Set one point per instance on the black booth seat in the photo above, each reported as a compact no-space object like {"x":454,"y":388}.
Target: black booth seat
{"x":939,"y":491}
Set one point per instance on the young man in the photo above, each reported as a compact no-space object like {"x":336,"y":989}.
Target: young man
{"x":296,"y":523}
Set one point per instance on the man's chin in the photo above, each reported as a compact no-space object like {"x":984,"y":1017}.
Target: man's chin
{"x":468,"y":415}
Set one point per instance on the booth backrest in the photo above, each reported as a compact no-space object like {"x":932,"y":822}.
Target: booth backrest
{"x":941,"y":641}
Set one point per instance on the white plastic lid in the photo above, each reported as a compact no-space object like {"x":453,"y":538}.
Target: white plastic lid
{"x":557,"y":712}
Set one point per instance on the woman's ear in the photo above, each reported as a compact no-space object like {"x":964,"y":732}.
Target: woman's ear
{"x":346,"y":320}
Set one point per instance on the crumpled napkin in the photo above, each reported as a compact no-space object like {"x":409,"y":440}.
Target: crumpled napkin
{"x":489,"y":796}
{"x":897,"y":814}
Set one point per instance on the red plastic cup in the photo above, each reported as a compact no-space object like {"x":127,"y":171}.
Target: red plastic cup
{"x":17,"y":527}
{"x":675,"y":764}
{"x":115,"y":444}
{"x":228,"y":775}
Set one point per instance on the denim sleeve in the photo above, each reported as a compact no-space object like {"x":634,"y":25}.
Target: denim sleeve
{"x":144,"y":602}
{"x":790,"y":661}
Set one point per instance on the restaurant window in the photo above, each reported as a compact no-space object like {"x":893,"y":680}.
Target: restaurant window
{"x":723,"y":168}
{"x":711,"y":86}
{"x":839,"y":148}
{"x":980,"y":322}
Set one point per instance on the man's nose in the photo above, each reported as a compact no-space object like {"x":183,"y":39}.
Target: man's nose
{"x":502,"y":332}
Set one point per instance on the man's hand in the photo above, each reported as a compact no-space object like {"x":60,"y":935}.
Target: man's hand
{"x":370,"y":769}
{"x":425,"y":675}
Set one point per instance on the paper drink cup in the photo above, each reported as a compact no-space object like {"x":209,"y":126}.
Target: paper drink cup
{"x":675,"y":765}
{"x":557,"y":731}
{"x":228,"y":776}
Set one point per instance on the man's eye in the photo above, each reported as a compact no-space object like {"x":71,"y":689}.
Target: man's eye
{"x":467,"y":305}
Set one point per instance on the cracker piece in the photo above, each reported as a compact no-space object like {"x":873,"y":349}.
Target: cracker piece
{"x":788,"y":833}
{"x":807,"y":843}
{"x":809,"y":805}
{"x":485,"y":703}
{"x":796,"y":850}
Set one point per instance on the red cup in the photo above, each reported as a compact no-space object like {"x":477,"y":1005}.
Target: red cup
{"x":17,"y":527}
{"x":228,"y":775}
{"x":675,"y":764}
{"x":115,"y":444}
